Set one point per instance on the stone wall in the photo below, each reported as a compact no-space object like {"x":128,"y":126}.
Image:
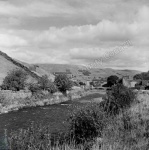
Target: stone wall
{"x":8,"y":94}
{"x":17,"y":100}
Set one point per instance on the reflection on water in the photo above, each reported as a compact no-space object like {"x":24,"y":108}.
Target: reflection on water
{"x":3,"y":141}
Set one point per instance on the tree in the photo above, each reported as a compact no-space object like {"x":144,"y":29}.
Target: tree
{"x":112,"y":80}
{"x":138,"y":76}
{"x":81,"y":83}
{"x":15,"y":80}
{"x":34,"y":87}
{"x":142,"y":76}
{"x":63,"y":83}
{"x":46,"y":84}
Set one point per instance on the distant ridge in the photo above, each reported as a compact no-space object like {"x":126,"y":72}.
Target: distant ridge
{"x":93,"y":72}
{"x":34,"y":75}
{"x":37,"y":70}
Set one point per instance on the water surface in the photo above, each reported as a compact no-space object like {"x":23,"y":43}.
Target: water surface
{"x":53,"y":115}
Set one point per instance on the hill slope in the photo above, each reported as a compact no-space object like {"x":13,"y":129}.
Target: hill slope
{"x":7,"y":64}
{"x":90,"y":74}
{"x":37,"y":70}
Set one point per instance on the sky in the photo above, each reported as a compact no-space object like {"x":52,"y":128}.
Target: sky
{"x":78,"y":32}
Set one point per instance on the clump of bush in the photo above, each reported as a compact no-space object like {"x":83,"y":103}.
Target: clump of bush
{"x":15,"y":80}
{"x":34,"y":87}
{"x":112,"y":80}
{"x":118,"y":99}
{"x":87,"y":123}
{"x":43,"y":84}
{"x":46,"y":84}
{"x":63,"y":83}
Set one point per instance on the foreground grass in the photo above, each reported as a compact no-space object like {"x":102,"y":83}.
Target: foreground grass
{"x":134,"y":135}
{"x":129,"y":130}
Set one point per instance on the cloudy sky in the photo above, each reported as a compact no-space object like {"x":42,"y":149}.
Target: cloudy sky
{"x":76,"y":31}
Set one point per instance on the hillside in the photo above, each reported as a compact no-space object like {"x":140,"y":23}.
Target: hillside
{"x":37,"y":70}
{"x":7,"y":64}
{"x":90,"y":74}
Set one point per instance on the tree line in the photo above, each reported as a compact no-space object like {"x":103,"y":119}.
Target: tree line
{"x":16,"y":80}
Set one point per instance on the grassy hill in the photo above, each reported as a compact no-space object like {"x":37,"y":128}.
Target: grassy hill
{"x":37,"y":70}
{"x":7,"y":64}
{"x":82,"y":75}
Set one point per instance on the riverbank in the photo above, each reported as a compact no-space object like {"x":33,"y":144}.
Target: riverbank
{"x":34,"y":101}
{"x":8,"y":104}
{"x":46,"y":112}
{"x":53,"y":115}
{"x":115,"y":135}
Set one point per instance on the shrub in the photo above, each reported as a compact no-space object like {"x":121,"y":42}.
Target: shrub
{"x":37,"y":92}
{"x":112,"y":80}
{"x":52,"y":87}
{"x":46,"y":84}
{"x":63,"y":83}
{"x":142,"y":76}
{"x":86,"y":124}
{"x":81,"y":83}
{"x":34,"y":87}
{"x":119,"y":98}
{"x":43,"y":84}
{"x":15,"y":80}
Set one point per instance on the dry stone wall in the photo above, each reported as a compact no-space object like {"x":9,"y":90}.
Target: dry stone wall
{"x":8,"y":94}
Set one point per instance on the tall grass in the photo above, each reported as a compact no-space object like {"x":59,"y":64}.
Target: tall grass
{"x":134,"y":135}
{"x":91,"y":127}
{"x":131,"y":134}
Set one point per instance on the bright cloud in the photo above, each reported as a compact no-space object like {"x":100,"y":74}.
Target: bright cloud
{"x":7,"y":40}
{"x":76,"y":32}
